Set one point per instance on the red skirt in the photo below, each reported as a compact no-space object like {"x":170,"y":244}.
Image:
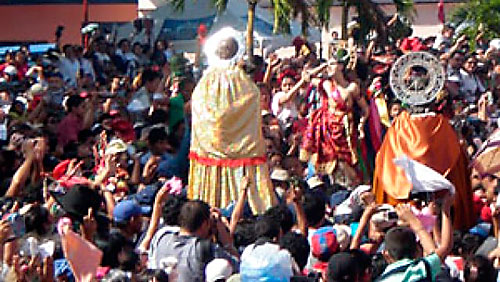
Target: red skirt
{"x":325,"y":141}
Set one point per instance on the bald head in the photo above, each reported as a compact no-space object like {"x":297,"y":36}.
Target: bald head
{"x":227,"y":48}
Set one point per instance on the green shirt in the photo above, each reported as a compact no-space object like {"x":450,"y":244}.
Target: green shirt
{"x":413,"y":272}
{"x":175,"y":111}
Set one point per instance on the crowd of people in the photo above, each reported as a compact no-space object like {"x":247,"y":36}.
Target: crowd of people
{"x":94,"y":167}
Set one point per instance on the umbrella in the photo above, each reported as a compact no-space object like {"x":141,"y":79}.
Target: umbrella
{"x":487,"y":159}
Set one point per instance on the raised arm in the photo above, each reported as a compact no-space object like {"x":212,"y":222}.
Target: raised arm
{"x":23,"y":172}
{"x":240,"y":204}
{"x":306,"y":78}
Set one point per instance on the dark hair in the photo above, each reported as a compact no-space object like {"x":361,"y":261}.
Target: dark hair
{"x":156,"y":135}
{"x":150,"y":274}
{"x":244,"y":233}
{"x":159,"y":116}
{"x":128,"y":259}
{"x":193,"y":214}
{"x":485,"y":270}
{"x":66,"y":47}
{"x":73,"y":102}
{"x":120,"y":43}
{"x":401,"y":243}
{"x":172,"y":209}
{"x":35,"y":218}
{"x":33,"y":193}
{"x":314,"y":208}
{"x":111,"y":246}
{"x":84,"y":135}
{"x":185,"y":81}
{"x":470,"y":243}
{"x":267,"y":227}
{"x":70,"y":150}
{"x":298,"y":246}
{"x":282,"y":215}
{"x":457,"y":52}
{"x":149,"y":75}
{"x":378,"y":265}
{"x":457,"y":243}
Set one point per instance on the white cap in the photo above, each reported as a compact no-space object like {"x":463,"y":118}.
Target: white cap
{"x":218,"y":269}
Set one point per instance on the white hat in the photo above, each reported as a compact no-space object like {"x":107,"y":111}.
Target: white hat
{"x":280,"y":175}
{"x":314,"y":182}
{"x":10,"y":70}
{"x":218,"y":269}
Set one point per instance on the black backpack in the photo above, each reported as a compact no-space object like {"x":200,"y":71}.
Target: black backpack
{"x":403,"y":268}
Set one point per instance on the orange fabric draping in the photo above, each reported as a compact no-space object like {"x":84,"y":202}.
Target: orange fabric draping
{"x":430,"y":140}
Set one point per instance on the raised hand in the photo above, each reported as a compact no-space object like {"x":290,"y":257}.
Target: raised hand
{"x":89,"y":225}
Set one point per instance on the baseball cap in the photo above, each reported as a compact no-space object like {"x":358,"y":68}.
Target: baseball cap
{"x":218,"y":269}
{"x":127,"y":209}
{"x":324,"y":243}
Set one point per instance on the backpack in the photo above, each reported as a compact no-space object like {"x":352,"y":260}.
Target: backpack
{"x":403,"y":268}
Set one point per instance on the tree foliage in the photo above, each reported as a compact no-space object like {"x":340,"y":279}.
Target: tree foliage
{"x":475,"y":16}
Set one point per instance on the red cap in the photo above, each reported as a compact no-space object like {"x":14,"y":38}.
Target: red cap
{"x":124,"y":129}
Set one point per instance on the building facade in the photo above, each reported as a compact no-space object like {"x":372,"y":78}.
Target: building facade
{"x":37,"y":20}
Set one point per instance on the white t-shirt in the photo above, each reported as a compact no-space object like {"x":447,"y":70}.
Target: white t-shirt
{"x":284,"y":112}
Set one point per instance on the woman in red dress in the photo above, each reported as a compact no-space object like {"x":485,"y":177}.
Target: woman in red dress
{"x":327,"y":142}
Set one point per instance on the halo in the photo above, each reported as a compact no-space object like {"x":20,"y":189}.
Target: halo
{"x":213,"y":42}
{"x":416,"y":78}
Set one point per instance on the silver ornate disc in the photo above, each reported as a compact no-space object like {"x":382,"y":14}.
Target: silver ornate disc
{"x":416,"y":78}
